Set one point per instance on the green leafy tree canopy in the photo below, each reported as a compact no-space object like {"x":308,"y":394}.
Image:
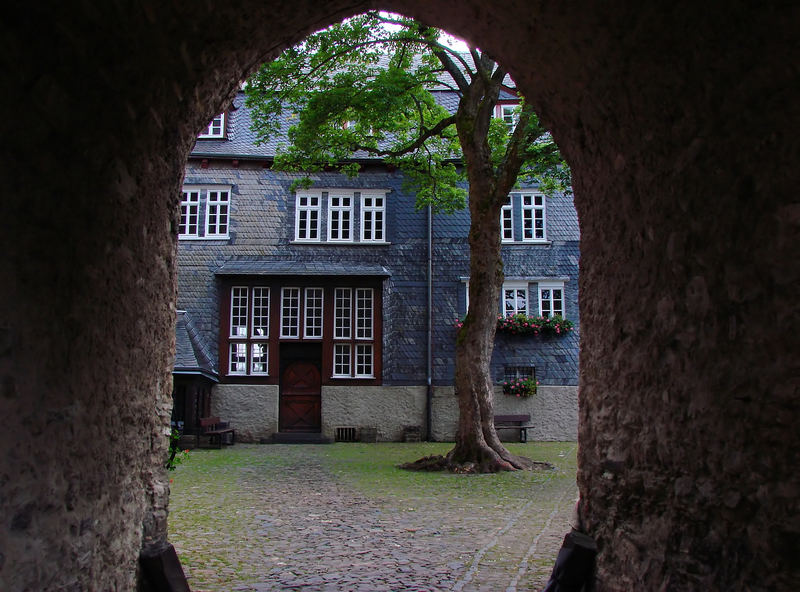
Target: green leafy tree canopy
{"x":376,"y":86}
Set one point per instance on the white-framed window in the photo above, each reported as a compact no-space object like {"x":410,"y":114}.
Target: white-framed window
{"x":238,"y":324}
{"x":514,"y":298}
{"x":342,"y":311}
{"x":373,"y":214}
{"x":342,"y":360}
{"x":340,"y":217}
{"x":364,"y":309}
{"x":260,"y":359}
{"x":312,"y":321}
{"x":248,"y":331}
{"x":217,"y":210}
{"x":354,"y":354}
{"x":211,"y":203}
{"x":533,"y":217}
{"x":215,"y":129}
{"x":551,"y":299}
{"x":507,"y":222}
{"x":364,"y":365}
{"x":306,"y":227}
{"x":190,"y":213}
{"x":509,"y":114}
{"x":290,"y":313}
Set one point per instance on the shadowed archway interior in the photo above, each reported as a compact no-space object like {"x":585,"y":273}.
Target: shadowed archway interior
{"x":678,"y":122}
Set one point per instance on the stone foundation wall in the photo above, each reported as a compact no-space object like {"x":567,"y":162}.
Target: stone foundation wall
{"x":553,"y":411}
{"x":252,"y":410}
{"x":388,"y":408}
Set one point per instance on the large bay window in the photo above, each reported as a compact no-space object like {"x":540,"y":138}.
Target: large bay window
{"x":260,"y":318}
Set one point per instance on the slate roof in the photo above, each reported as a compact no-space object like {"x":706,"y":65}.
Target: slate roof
{"x":315,"y":268}
{"x":240,"y":140}
{"x":192,"y":355}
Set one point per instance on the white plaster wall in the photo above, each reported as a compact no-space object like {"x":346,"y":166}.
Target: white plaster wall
{"x":553,"y":411}
{"x":252,"y":410}
{"x":388,"y":408}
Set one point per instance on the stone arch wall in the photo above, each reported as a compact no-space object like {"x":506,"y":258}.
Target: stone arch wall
{"x":678,"y":123}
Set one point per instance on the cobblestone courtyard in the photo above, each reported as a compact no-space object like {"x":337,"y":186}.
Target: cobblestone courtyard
{"x":343,"y":518}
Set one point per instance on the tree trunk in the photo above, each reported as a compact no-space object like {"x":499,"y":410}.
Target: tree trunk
{"x":477,"y":444}
{"x":478,"y":449}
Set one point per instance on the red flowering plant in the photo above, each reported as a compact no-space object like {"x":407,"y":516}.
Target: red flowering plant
{"x":520,"y":324}
{"x":520,"y":387}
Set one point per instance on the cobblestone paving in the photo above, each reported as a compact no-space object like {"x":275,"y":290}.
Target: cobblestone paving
{"x":245,"y":526}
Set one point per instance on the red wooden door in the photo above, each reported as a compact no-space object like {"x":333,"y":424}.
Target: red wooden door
{"x":300,"y":409}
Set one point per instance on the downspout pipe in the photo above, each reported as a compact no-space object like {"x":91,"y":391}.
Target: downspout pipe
{"x":429,"y":394}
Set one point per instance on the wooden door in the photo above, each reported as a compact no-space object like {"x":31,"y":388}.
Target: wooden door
{"x":300,"y":409}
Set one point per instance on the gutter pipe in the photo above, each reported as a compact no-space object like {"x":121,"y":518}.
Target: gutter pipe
{"x":429,"y":394}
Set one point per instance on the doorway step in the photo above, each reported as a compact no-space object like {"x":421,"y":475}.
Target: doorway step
{"x":300,"y":438}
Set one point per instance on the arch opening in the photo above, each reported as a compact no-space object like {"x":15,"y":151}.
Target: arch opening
{"x":674,"y":359}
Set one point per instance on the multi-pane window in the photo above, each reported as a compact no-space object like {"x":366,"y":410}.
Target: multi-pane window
{"x":342,"y":307}
{"x":313,"y":313}
{"x":341,"y":319}
{"x":507,"y":221}
{"x":373,"y":210}
{"x":248,"y":350}
{"x":515,"y":299}
{"x":215,"y":129}
{"x":509,"y":114}
{"x":343,"y":212}
{"x":340,"y":217}
{"x":364,"y":313}
{"x":551,"y":299}
{"x":354,"y":308}
{"x":307,"y":217}
{"x":210,"y":203}
{"x":217,"y":208}
{"x":190,"y":213}
{"x":533,"y":217}
{"x":363,"y":360}
{"x":290,"y":313}
{"x":342,"y":359}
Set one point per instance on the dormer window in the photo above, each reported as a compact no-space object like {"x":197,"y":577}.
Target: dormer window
{"x":215,"y":129}
{"x":509,"y":113}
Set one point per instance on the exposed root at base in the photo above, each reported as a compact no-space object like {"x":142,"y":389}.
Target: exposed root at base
{"x":442,"y":463}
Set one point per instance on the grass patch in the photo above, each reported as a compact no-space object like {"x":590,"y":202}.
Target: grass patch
{"x":373,"y":468}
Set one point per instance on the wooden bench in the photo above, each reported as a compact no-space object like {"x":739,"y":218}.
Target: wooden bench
{"x":215,"y":430}
{"x":514,"y":422}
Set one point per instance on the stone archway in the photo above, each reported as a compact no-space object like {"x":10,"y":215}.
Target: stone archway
{"x":678,"y":122}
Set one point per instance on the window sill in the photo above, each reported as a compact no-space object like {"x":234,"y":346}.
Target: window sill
{"x":543,"y":243}
{"x":352,"y":378}
{"x":341,"y":243}
{"x":203,"y":238}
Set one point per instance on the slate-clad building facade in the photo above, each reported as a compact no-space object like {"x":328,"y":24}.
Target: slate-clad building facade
{"x":330,"y":310}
